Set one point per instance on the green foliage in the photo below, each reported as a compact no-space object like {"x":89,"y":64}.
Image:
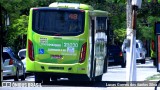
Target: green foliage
{"x":119,"y":35}
{"x":19,"y":10}
{"x":146,"y":30}
{"x":16,"y":31}
{"x":118,"y":1}
{"x":155,"y":77}
{"x":14,"y":7}
{"x":20,"y":25}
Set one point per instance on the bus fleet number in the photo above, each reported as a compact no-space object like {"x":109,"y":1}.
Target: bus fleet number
{"x":70,"y":44}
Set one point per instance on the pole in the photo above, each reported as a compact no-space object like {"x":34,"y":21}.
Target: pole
{"x":133,"y":46}
{"x":1,"y":42}
{"x":129,"y":18}
{"x":131,"y":36}
{"x":129,"y":32}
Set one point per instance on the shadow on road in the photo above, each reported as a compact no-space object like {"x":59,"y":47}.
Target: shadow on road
{"x":12,"y":77}
{"x":103,"y":84}
{"x":80,"y":83}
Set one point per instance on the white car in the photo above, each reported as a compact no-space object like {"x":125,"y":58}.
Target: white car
{"x":11,"y":65}
{"x":140,"y":52}
{"x":22,"y":56}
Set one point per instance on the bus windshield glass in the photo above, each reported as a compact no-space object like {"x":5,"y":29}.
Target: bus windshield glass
{"x":58,"y":22}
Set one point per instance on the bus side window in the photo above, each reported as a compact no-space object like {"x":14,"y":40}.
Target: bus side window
{"x":101,"y":23}
{"x":100,"y":37}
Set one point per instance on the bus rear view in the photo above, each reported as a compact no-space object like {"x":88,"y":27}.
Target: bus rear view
{"x":57,"y":43}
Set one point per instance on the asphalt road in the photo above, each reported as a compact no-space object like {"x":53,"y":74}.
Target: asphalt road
{"x":115,"y":74}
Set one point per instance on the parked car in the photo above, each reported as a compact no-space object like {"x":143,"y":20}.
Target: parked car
{"x":22,"y":56}
{"x":140,"y":52}
{"x":11,"y":65}
{"x":115,"y":56}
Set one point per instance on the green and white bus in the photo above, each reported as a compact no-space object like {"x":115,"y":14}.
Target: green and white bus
{"x":67,"y":40}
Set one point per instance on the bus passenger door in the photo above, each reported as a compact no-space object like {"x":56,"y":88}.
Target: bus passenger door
{"x":100,"y":44}
{"x":98,"y":40}
{"x":91,"y":41}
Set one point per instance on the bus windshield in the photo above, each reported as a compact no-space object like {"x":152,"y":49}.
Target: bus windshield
{"x":58,"y":22}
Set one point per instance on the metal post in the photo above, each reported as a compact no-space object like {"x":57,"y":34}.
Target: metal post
{"x":129,"y":31}
{"x":133,"y":46}
{"x":131,"y":52}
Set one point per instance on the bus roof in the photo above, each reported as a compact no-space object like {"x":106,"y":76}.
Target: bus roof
{"x":71,"y":5}
{"x":98,"y":13}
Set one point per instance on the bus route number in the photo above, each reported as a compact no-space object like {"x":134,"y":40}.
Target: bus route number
{"x":73,"y":16}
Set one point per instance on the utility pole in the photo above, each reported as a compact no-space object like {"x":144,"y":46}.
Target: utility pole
{"x":131,"y":38}
{"x":129,"y":31}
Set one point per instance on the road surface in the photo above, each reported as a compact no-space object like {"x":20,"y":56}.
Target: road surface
{"x":115,"y":73}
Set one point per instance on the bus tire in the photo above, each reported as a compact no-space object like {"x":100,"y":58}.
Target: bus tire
{"x":143,"y":61}
{"x":98,"y":78}
{"x":38,"y":78}
{"x":94,"y":70}
{"x":105,"y":65}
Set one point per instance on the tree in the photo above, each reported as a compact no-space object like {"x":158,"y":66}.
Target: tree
{"x":119,"y":35}
{"x":19,"y":10}
{"x":146,"y":32}
{"x":17,"y":32}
